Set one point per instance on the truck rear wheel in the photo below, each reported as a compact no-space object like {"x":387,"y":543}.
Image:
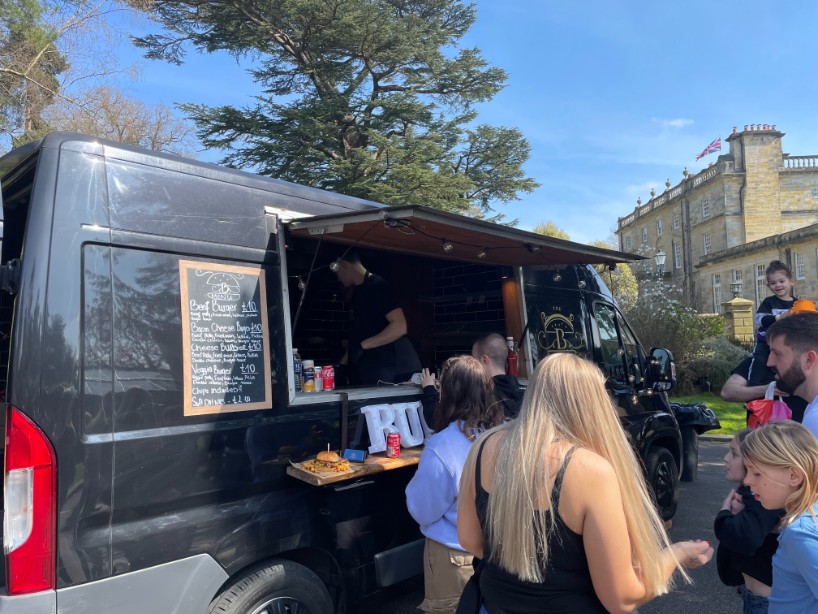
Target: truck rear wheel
{"x":690,"y":454}
{"x":663,"y":479}
{"x":277,"y":587}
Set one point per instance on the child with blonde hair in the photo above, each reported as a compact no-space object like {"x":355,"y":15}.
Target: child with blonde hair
{"x":782,"y":471}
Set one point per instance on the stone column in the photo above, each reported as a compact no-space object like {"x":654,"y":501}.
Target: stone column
{"x":738,"y":320}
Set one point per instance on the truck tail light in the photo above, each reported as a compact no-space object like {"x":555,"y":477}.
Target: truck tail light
{"x":30,"y":494}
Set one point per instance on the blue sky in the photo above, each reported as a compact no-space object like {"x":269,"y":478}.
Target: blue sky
{"x":614,"y":98}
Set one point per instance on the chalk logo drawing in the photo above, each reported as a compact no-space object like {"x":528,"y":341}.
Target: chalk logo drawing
{"x":558,"y":333}
{"x":222,"y":286}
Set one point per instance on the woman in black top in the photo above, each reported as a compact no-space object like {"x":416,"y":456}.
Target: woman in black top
{"x":747,"y":542}
{"x":556,"y":505}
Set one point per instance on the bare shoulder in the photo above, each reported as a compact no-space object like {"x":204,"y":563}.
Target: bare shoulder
{"x":589,"y":467}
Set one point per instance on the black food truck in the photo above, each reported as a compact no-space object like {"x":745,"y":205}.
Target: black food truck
{"x":155,"y":437}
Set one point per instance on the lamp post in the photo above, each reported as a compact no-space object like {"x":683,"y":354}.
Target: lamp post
{"x":735,"y":288}
{"x":659,"y":258}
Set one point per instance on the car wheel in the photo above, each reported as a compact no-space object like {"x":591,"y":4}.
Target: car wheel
{"x":663,"y":479}
{"x":690,"y":454}
{"x":278,"y":587}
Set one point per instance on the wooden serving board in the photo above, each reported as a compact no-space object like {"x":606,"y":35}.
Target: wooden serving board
{"x":374,"y":463}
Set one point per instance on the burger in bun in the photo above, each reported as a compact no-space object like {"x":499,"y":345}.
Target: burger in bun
{"x":328,"y":461}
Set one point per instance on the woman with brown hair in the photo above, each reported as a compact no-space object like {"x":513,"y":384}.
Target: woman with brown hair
{"x":555,"y":504}
{"x":467,"y":406}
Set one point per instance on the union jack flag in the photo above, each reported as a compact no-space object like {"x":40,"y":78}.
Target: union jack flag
{"x":713,"y":147}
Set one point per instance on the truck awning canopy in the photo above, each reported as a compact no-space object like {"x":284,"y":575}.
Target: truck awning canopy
{"x":422,"y":231}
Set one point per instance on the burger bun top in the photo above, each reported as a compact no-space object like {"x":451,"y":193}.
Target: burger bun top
{"x":328,"y":456}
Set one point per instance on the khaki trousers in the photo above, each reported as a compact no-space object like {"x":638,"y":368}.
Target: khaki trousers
{"x":445,"y":573}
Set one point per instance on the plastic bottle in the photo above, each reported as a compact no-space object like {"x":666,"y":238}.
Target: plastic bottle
{"x":511,"y":359}
{"x":298,"y":371}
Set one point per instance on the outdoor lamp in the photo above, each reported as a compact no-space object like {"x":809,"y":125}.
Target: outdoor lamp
{"x":659,"y":258}
{"x":735,"y":288}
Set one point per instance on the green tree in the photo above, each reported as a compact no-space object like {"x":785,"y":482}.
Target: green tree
{"x":621,"y":281}
{"x":30,"y":67}
{"x":372,"y":98}
{"x":550,"y":229}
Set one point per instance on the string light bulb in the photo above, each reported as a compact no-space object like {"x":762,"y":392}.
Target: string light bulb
{"x":482,"y":253}
{"x":447,"y":246}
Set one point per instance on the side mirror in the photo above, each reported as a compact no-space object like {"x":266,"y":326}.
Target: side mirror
{"x":661,"y":370}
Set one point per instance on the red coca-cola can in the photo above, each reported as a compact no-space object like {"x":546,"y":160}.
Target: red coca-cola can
{"x":329,"y":377}
{"x":393,"y":445}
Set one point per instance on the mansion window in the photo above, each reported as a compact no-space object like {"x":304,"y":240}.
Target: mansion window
{"x":677,"y":256}
{"x":644,"y":234}
{"x":659,"y":228}
{"x":627,"y":242}
{"x":717,"y":292}
{"x":705,"y":208}
{"x":800,"y":265}
{"x":761,"y":283}
{"x":676,"y":220}
{"x":706,"y":239}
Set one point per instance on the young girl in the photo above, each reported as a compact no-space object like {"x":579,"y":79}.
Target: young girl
{"x":780,"y":282}
{"x":746,"y":541}
{"x":782,"y":471}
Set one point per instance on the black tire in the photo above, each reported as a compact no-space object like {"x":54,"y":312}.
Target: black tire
{"x":690,"y":454}
{"x":663,"y":479}
{"x":276,"y":587}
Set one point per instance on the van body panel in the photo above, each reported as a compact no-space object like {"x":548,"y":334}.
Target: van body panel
{"x":179,"y":587}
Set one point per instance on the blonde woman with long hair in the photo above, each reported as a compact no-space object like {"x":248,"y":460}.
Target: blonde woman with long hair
{"x":782,"y":471}
{"x":605,"y":548}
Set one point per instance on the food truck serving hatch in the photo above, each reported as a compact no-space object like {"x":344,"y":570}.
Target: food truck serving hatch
{"x":422,"y":231}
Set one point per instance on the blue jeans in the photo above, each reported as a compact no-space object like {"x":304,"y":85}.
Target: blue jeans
{"x":753,"y":604}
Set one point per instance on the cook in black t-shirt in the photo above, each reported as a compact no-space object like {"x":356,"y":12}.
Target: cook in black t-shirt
{"x":379,"y":350}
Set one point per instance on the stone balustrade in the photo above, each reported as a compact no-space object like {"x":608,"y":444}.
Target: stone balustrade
{"x":795,"y":163}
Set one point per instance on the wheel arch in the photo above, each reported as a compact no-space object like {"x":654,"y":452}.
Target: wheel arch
{"x":319,"y":561}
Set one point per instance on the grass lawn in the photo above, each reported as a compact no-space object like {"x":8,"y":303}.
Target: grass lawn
{"x":732,"y":416}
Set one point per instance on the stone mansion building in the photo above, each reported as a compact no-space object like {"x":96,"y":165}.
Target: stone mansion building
{"x":721,"y":227}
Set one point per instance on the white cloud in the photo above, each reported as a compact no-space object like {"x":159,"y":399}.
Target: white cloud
{"x":679,"y":122}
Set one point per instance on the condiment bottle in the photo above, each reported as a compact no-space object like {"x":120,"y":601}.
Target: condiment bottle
{"x":511,"y":359}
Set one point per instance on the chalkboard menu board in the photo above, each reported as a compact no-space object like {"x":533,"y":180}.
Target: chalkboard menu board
{"x":225,"y":338}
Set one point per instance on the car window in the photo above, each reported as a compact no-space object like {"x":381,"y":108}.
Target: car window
{"x":609,"y":342}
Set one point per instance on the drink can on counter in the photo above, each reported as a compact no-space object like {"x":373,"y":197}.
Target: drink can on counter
{"x":308,"y":373}
{"x":328,"y":374}
{"x":319,"y":379}
{"x":393,"y":445}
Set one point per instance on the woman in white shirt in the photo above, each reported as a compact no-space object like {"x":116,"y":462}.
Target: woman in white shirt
{"x":467,"y":406}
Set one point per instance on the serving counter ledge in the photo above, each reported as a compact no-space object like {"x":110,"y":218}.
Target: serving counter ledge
{"x":374,"y":463}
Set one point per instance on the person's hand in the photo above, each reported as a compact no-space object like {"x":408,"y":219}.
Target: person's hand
{"x":737,"y":504}
{"x":733,"y":503}
{"x":693,"y":554}
{"x":426,"y":378}
{"x":355,"y":353}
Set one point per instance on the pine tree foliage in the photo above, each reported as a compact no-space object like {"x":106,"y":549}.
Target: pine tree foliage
{"x":373,"y":98}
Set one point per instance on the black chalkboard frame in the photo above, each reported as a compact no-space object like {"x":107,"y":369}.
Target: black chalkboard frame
{"x":185,"y":266}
